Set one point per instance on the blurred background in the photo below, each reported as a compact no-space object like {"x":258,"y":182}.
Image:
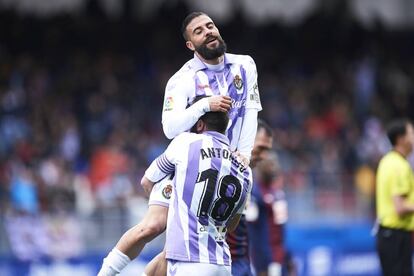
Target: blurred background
{"x":81,"y":92}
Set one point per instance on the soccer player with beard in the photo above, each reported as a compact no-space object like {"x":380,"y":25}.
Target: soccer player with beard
{"x":231,"y":82}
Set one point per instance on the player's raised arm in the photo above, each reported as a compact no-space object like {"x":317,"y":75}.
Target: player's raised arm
{"x":253,"y":106}
{"x":248,"y":133}
{"x":176,"y":118}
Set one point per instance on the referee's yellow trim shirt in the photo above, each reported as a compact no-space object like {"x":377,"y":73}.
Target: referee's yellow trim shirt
{"x":394,"y":177}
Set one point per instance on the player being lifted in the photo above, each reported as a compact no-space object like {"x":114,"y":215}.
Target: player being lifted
{"x":209,"y":194}
{"x":231,"y":82}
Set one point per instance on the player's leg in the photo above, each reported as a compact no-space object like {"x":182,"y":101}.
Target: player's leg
{"x":157,"y":266}
{"x":133,"y":241}
{"x":153,"y":224}
{"x":389,"y":250}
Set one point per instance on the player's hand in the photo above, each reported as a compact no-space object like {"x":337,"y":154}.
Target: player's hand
{"x":219,"y":103}
{"x":242,"y":159}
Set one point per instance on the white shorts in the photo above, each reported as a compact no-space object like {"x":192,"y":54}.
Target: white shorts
{"x":175,"y":268}
{"x":161,"y":193}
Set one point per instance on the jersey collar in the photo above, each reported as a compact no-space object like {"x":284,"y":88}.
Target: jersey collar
{"x":198,"y":65}
{"x":221,"y":137}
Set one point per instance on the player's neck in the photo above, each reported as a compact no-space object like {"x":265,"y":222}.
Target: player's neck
{"x":214,"y":61}
{"x":401,"y":150}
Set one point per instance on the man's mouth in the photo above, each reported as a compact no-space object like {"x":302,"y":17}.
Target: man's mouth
{"x":209,"y":40}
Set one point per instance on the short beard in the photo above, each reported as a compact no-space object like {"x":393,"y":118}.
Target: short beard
{"x":209,"y":54}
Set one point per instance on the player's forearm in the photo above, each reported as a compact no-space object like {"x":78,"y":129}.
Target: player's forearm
{"x":178,"y":121}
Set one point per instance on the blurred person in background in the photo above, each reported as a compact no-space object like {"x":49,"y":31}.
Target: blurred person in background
{"x":230,"y":81}
{"x":395,"y":202}
{"x":238,"y":240}
{"x":109,"y":166}
{"x":24,"y":227}
{"x":267,"y":214}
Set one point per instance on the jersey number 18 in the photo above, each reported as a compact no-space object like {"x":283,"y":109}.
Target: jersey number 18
{"x":228,"y":194}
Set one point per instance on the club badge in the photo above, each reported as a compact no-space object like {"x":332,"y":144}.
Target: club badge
{"x":238,"y":82}
{"x":167,"y":191}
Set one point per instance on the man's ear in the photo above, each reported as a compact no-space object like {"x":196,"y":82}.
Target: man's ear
{"x":190,"y":45}
{"x":200,"y":126}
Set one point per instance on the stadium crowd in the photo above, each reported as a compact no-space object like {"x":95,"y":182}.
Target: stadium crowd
{"x":81,"y":100}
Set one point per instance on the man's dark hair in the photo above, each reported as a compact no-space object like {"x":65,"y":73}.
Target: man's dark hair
{"x":214,"y":120}
{"x":263,"y":125}
{"x":187,"y":21}
{"x":396,"y":129}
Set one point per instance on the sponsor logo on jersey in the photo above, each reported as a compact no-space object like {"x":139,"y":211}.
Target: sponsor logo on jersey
{"x":238,"y":82}
{"x":255,"y":96}
{"x":238,"y":104}
{"x":167,"y":191}
{"x":168,"y":104}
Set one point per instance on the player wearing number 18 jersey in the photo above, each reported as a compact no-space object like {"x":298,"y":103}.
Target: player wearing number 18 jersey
{"x":208,"y":196}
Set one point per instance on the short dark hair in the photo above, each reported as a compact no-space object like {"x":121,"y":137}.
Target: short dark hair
{"x":187,"y":21}
{"x":396,"y":129}
{"x":263,"y":125}
{"x":214,"y":120}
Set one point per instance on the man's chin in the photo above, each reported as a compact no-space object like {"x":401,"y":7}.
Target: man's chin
{"x":211,"y":47}
{"x":252,"y":163}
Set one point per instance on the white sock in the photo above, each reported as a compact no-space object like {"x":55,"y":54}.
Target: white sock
{"x":114,"y":263}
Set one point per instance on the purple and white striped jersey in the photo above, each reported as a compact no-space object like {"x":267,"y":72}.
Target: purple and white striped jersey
{"x":210,"y":187}
{"x":237,"y":78}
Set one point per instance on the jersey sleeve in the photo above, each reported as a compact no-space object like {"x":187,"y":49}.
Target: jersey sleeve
{"x":164,"y":164}
{"x":253,"y":96}
{"x":398,"y":180}
{"x":248,"y":133}
{"x":176,"y":118}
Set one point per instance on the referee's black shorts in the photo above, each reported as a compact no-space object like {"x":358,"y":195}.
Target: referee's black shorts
{"x":394,"y":248}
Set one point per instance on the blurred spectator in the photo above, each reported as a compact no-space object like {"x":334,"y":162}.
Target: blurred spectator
{"x":63,"y":236}
{"x":23,"y":190}
{"x":27,"y":236}
{"x":109,"y":170}
{"x":365,"y":87}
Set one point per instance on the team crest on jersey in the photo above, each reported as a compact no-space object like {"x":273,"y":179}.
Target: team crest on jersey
{"x":238,"y":82}
{"x":167,"y":191}
{"x":168,"y":104}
